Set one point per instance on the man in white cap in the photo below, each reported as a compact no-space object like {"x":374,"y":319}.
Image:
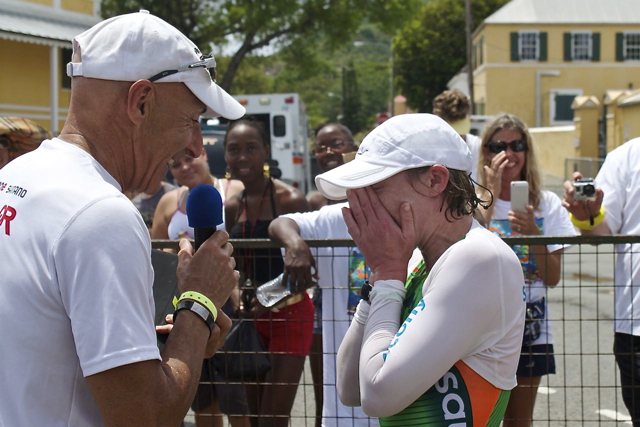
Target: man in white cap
{"x":78,"y":340}
{"x":440,"y":344}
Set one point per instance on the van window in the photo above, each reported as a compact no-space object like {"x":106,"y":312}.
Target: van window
{"x":279,"y":126}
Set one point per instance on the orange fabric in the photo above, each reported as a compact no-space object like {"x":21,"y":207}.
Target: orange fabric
{"x":482,"y":393}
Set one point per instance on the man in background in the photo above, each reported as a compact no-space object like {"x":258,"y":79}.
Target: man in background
{"x":614,"y":209}
{"x":341,"y":273}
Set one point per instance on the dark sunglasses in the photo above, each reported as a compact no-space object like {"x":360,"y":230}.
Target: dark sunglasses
{"x":516,"y":146}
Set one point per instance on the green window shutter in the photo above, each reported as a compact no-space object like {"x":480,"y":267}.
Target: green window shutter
{"x":542,"y":39}
{"x":515,"y":48}
{"x":595,"y":46}
{"x":474,"y":59}
{"x":567,"y":47}
{"x":619,"y":47}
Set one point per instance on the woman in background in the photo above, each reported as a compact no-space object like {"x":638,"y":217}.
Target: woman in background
{"x":170,"y":222}
{"x":287,"y":329}
{"x":507,"y":155}
{"x":170,"y":218}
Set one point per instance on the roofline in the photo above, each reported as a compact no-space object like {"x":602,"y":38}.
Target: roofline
{"x":19,"y":37}
{"x":557,"y":23}
{"x":34,"y":10}
{"x":477,"y":30}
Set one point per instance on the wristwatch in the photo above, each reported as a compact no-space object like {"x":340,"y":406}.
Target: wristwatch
{"x":198,"y":309}
{"x":365,"y":291}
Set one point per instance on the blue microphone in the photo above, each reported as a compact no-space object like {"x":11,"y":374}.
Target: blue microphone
{"x":204,"y":212}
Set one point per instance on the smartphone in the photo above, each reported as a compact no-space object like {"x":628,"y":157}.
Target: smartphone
{"x":519,"y":196}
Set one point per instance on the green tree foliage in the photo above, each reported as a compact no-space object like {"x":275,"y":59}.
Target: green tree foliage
{"x":432,"y":48}
{"x":366,"y":56}
{"x":351,"y":99}
{"x":277,"y":23}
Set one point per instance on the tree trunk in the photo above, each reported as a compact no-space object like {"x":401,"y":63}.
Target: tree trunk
{"x":230,"y":72}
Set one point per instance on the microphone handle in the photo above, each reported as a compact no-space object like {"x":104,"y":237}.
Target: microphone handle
{"x":200,"y":235}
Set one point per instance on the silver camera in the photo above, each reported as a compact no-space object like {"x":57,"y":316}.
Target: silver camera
{"x":584,"y":189}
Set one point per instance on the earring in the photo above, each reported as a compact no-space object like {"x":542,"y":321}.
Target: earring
{"x":227,"y":174}
{"x":265,"y":170}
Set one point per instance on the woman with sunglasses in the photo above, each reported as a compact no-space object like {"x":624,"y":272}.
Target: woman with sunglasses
{"x":508,"y":154}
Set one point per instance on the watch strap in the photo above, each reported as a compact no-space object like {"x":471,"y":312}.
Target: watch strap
{"x":365,"y":291}
{"x":199,"y":309}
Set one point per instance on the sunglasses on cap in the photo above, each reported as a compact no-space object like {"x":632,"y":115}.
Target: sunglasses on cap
{"x":516,"y":146}
{"x":207,"y":62}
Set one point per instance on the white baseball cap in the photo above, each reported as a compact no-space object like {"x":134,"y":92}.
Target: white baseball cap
{"x":140,"y":46}
{"x":403,"y":142}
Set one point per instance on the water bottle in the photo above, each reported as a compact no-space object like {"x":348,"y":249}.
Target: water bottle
{"x":272,"y":292}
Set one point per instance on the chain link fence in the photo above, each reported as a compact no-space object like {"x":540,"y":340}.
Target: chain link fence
{"x":586,"y":387}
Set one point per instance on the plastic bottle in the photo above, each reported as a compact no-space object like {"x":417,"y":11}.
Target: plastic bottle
{"x":272,"y":292}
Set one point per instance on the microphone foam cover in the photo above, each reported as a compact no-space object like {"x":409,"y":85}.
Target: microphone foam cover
{"x":204,"y":207}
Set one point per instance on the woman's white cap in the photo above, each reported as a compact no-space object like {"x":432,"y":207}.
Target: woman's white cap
{"x":138,"y":46}
{"x":403,"y":142}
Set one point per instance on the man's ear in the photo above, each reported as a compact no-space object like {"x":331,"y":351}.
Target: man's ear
{"x":139,"y":101}
{"x":433,"y":181}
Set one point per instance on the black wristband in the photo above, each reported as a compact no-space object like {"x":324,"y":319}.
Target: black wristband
{"x":365,"y":291}
{"x":200,"y":310}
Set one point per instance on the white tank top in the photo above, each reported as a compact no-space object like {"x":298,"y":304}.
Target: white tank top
{"x":179,"y":224}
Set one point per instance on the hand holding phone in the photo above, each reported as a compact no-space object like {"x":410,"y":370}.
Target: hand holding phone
{"x":519,"y":196}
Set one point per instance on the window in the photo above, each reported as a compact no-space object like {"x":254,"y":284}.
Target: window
{"x":529,"y":45}
{"x":581,"y":46}
{"x":279,"y":126}
{"x":628,"y":46}
{"x":560,"y":102}
{"x":65,"y":58}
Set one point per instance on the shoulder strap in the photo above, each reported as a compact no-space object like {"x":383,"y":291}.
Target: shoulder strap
{"x":243,"y":199}
{"x":274,"y":211}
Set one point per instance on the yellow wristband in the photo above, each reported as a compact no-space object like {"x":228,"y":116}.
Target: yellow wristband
{"x":586,"y":224}
{"x":197,"y":296}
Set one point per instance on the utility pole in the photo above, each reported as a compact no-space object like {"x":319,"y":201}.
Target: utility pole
{"x":469,"y":55}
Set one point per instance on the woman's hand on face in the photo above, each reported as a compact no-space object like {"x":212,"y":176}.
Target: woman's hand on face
{"x":494,"y":173}
{"x":386,"y":246}
{"x":524,"y":223}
